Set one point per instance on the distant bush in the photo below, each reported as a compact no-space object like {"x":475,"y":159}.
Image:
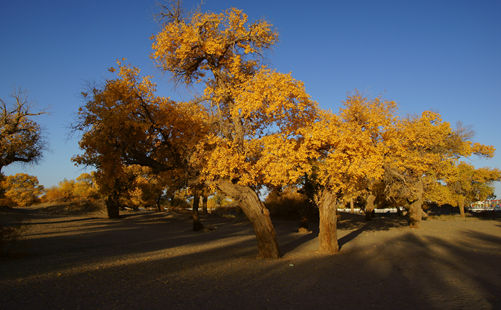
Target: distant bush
{"x":219,"y":200}
{"x":83,"y":188}
{"x":288,"y":203}
{"x":21,"y":189}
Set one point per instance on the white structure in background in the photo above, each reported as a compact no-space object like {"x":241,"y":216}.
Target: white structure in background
{"x":486,"y":205}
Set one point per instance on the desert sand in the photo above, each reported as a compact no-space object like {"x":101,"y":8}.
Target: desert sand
{"x":152,"y":260}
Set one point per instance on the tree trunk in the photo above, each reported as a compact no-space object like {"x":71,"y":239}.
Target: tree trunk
{"x":257,"y":214}
{"x":461,"y":207}
{"x":113,"y":205}
{"x":369,"y":207}
{"x":327,"y":237}
{"x":197,"y":225}
{"x":415,"y":208}
{"x":352,"y":206}
{"x":159,"y":209}
{"x":204,"y":203}
{"x":415,"y":215}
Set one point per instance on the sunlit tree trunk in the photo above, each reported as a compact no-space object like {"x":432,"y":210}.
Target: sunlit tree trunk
{"x":327,"y":237}
{"x":352,"y":206}
{"x":415,"y":208}
{"x":369,"y":207}
{"x":461,"y":207}
{"x":257,"y":214}
{"x":415,"y":213}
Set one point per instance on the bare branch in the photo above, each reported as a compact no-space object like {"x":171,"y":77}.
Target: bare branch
{"x":170,"y":12}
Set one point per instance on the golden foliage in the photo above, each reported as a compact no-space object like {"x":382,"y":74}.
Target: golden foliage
{"x":146,"y":188}
{"x":287,"y":202}
{"x":83,"y":188}
{"x":470,"y":184}
{"x":22,"y":189}
{"x":254,"y":126}
{"x":256,"y":111}
{"x":346,"y":151}
{"x":221,"y":44}
{"x":126,"y":124}
{"x":425,"y":155}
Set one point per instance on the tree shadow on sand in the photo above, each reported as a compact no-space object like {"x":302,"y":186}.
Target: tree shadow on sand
{"x":358,"y":224}
{"x":354,"y":223}
{"x":186,"y":270}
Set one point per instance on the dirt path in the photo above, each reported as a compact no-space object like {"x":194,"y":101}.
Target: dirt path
{"x":154,"y":261}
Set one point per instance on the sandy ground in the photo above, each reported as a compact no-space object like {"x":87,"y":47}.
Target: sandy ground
{"x":154,"y":261}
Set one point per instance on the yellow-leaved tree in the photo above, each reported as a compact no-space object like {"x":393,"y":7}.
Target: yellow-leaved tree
{"x":426,"y":151}
{"x":22,"y":189}
{"x":467,"y":184}
{"x":346,"y":153}
{"x":20,"y":136}
{"x":420,"y":149}
{"x":83,"y":188}
{"x":256,"y":112}
{"x":124,"y":123}
{"x":147,"y":188}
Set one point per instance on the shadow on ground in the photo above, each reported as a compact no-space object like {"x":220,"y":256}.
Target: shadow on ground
{"x":155,"y":261}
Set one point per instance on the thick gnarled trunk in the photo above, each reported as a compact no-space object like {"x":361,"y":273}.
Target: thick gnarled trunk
{"x":415,"y":208}
{"x":327,"y":237}
{"x":461,"y":207}
{"x":415,"y":213}
{"x":257,"y":214}
{"x":370,"y":207}
{"x":113,"y":205}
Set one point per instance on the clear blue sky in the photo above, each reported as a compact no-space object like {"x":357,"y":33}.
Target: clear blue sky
{"x":438,"y":55}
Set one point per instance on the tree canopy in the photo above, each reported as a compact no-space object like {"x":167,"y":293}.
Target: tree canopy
{"x":22,"y":189}
{"x":20,"y":136}
{"x":254,"y":127}
{"x":125,"y":124}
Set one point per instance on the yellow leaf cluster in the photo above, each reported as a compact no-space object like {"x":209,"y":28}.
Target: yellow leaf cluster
{"x":210,"y":42}
{"x":83,"y":188}
{"x":469,"y":184}
{"x":125,"y":123}
{"x":256,"y":111}
{"x":21,"y":188}
{"x":347,"y":150}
